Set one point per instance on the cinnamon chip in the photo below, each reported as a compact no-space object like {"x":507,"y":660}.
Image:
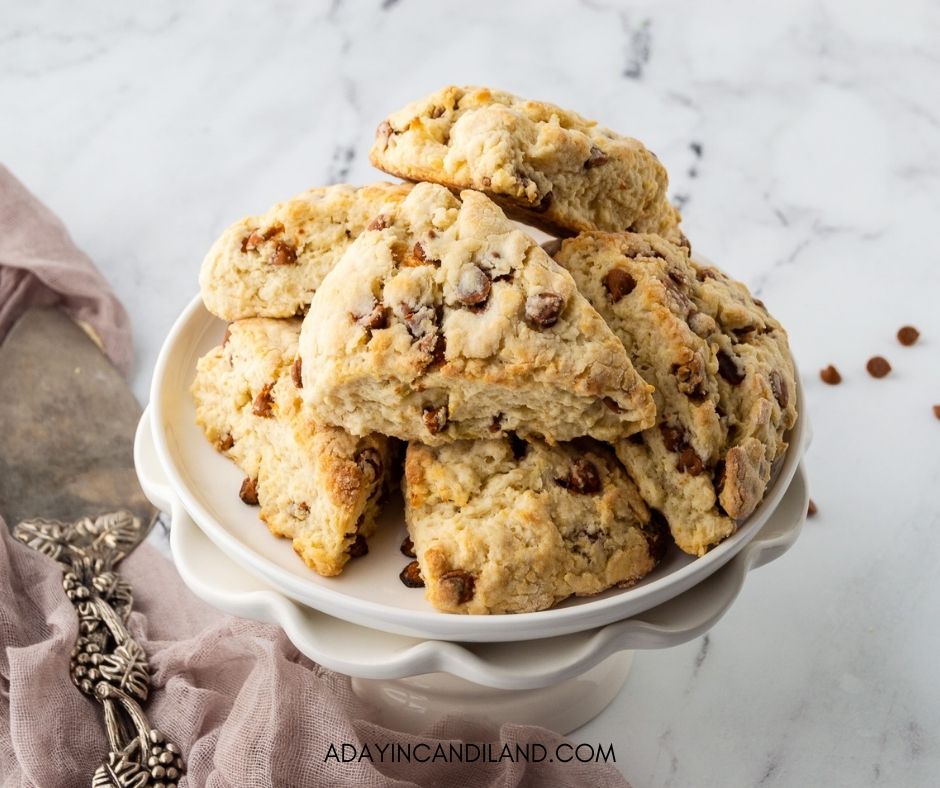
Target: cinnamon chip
{"x":376,"y":319}
{"x":596,"y":158}
{"x":263,"y":404}
{"x":433,"y":345}
{"x":380,"y":222}
{"x":419,"y":255}
{"x":878,"y":366}
{"x":830,"y":375}
{"x":936,"y":411}
{"x":619,"y":283}
{"x":908,"y":335}
{"x":257,"y":237}
{"x":673,"y":437}
{"x":459,"y":584}
{"x":779,"y":387}
{"x":284,"y":254}
{"x":296,"y":373}
{"x":408,"y":547}
{"x":657,"y":534}
{"x":811,"y":509}
{"x":728,"y":368}
{"x":583,"y":477}
{"x":370,"y":461}
{"x":689,"y":462}
{"x":411,"y":576}
{"x":359,"y":547}
{"x":473,"y":285}
{"x":435,"y":419}
{"x":249,"y":491}
{"x":542,"y":310}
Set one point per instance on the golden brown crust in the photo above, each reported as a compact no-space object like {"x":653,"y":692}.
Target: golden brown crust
{"x":271,"y":265}
{"x":544,"y":165}
{"x":725,"y":381}
{"x":505,"y":526}
{"x":446,"y":322}
{"x":318,"y":486}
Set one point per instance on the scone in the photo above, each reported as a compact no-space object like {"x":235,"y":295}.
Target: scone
{"x":545,"y":166}
{"x":721,"y":366}
{"x":318,"y":486}
{"x":444,"y":321}
{"x":505,"y":526}
{"x":270,"y":265}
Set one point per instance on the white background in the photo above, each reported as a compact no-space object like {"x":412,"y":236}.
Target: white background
{"x":150,"y":127}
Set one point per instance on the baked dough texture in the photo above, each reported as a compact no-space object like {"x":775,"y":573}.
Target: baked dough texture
{"x":504,"y":526}
{"x":721,"y":366}
{"x":271,"y":265}
{"x":544,"y":165}
{"x":318,"y":486}
{"x":444,"y":321}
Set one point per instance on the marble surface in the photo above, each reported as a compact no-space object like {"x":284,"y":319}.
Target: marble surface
{"x":803,"y":142}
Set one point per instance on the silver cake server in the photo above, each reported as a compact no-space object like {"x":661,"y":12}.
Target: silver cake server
{"x":67,"y":482}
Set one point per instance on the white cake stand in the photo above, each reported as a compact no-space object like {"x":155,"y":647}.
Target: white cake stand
{"x":557,"y":682}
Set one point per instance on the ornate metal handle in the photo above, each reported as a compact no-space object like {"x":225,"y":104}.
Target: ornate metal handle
{"x":107,"y":663}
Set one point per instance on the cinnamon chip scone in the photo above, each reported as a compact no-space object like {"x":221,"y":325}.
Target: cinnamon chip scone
{"x":445,"y":321}
{"x":270,"y":265}
{"x":505,"y":526}
{"x":318,"y":486}
{"x":721,"y":366}
{"x":545,"y":166}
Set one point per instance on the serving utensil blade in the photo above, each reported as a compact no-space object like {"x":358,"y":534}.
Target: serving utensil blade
{"x":67,"y":422}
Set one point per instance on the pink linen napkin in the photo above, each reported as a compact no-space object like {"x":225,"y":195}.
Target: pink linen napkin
{"x":40,"y":266}
{"x":246,"y":707}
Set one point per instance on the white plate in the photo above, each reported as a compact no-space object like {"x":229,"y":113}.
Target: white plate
{"x":369,"y":592}
{"x":371,"y":654}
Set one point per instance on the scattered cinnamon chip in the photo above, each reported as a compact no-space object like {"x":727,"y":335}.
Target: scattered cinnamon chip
{"x":908,"y":335}
{"x":296,"y":373}
{"x":811,"y":509}
{"x":411,"y":576}
{"x":408,"y":547}
{"x":830,"y":375}
{"x":878,"y":366}
{"x":936,"y":411}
